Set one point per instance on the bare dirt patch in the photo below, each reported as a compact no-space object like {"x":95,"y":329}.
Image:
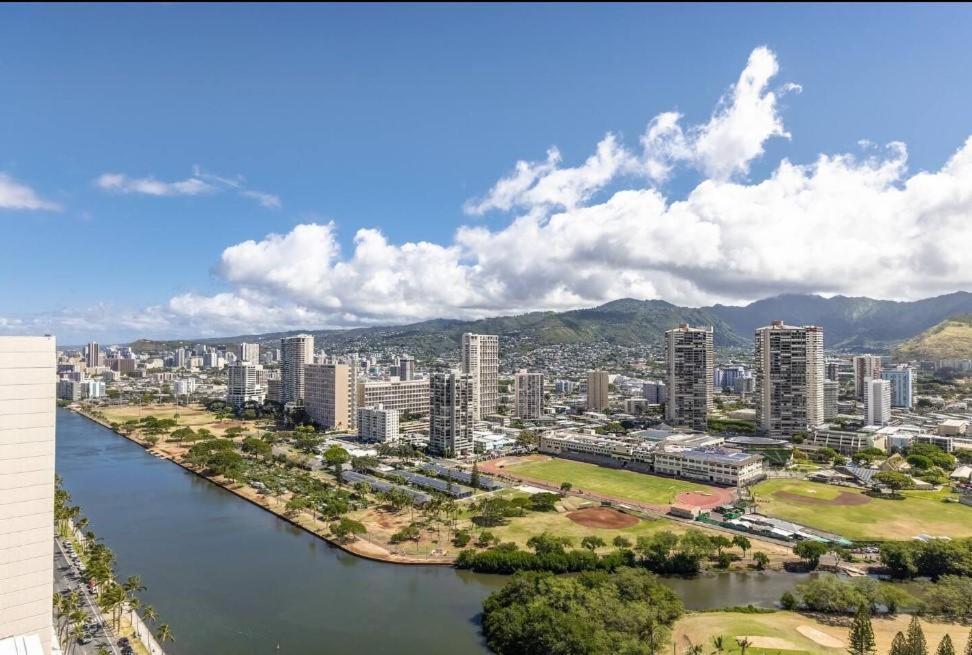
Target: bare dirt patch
{"x":843,"y":500}
{"x":820,"y":637}
{"x":705,"y":500}
{"x":602,"y":517}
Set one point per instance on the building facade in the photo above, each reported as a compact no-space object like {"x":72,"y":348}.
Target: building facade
{"x":528,"y":394}
{"x":690,"y":364}
{"x":451,"y":417}
{"x":378,"y":424}
{"x":296,"y":352}
{"x":902,"y":379}
{"x":789,"y":379}
{"x":27,"y":379}
{"x":92,"y":355}
{"x":248,"y":352}
{"x":243,"y":383}
{"x":598,"y":390}
{"x":329,"y":396}
{"x":831,"y":393}
{"x":406,"y":369}
{"x":411,"y":396}
{"x":865,"y":367}
{"x":877,"y":401}
{"x":480,"y":359}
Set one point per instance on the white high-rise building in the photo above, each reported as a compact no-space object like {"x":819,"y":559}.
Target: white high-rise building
{"x":789,"y":376}
{"x":93,"y":355}
{"x":329,"y":395}
{"x":378,"y":424}
{"x":902,"y":379}
{"x":27,"y":382}
{"x":877,"y":401}
{"x":831,"y":392}
{"x":296,"y":352}
{"x":598,"y":390}
{"x":865,"y":367}
{"x":451,"y":413}
{"x":480,"y":359}
{"x":248,"y":352}
{"x":690,"y":369}
{"x":528,"y":392}
{"x":243,"y":384}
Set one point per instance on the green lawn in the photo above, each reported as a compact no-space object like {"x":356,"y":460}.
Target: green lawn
{"x":920,"y":512}
{"x":639,"y":487}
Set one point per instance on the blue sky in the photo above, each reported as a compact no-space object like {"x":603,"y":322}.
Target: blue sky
{"x":394,"y":118}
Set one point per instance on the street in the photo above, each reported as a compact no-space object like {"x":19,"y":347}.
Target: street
{"x":66,"y":579}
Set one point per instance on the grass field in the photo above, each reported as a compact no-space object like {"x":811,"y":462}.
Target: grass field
{"x":193,"y":417}
{"x":638,"y":487}
{"x":779,"y":633}
{"x":877,"y":518}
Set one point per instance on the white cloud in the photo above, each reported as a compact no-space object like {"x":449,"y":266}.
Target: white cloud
{"x":200,"y":183}
{"x":14,"y":195}
{"x":120,"y":183}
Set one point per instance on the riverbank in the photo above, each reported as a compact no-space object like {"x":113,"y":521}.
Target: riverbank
{"x":361,"y":547}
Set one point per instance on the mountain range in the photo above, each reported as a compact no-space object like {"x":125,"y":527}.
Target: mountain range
{"x":858,"y":324}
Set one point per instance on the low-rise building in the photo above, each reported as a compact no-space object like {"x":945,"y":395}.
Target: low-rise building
{"x":378,"y":424}
{"x":714,"y":465}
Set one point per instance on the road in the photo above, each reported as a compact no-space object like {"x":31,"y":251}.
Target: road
{"x":67,"y":578}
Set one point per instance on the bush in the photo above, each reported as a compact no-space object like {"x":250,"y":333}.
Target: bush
{"x":461,"y":539}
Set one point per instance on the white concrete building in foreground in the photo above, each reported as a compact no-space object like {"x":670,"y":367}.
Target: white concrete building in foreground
{"x":378,"y":424}
{"x":27,"y":384}
{"x":877,"y":401}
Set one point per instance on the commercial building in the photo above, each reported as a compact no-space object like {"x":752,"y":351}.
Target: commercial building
{"x":713,"y":465}
{"x":690,"y":365}
{"x":845,"y":443}
{"x":296,"y":352}
{"x":122,"y":366}
{"x":528,"y":394}
{"x":598,"y":388}
{"x":248,"y":352}
{"x":27,"y":376}
{"x":329,"y":396}
{"x":654,"y":392}
{"x":789,"y":379}
{"x":865,"y":367}
{"x":480,"y":360}
{"x":411,"y":396}
{"x":831,"y":393}
{"x":451,"y":417}
{"x":378,"y":424}
{"x":243,"y":383}
{"x":877,"y":402}
{"x":92,"y":355}
{"x":406,"y":368}
{"x":902,"y":379}
{"x":275,"y":390}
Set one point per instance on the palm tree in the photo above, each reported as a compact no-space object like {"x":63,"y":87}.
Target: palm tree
{"x":163,"y":633}
{"x":718,"y":643}
{"x":744,"y":644}
{"x":693,"y":649}
{"x":149,"y":615}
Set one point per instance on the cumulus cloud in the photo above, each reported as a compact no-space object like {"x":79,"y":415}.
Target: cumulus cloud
{"x":200,"y":183}
{"x":14,"y":195}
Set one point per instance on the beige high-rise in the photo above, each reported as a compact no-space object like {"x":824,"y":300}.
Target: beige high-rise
{"x":450,"y":418}
{"x":528,"y":395}
{"x":27,"y":383}
{"x":789,"y":379}
{"x":329,"y":395}
{"x":480,"y":359}
{"x":296,"y":352}
{"x":690,"y":365}
{"x":598,"y":387}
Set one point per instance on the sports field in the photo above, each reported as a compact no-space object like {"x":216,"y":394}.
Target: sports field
{"x":854,"y":515}
{"x":613,"y":483}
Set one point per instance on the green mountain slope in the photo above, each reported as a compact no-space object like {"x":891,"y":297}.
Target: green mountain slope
{"x":951,"y":338}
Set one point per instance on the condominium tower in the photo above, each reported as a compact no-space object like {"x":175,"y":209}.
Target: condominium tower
{"x":92,"y":355}
{"x":865,"y":367}
{"x":690,"y":364}
{"x":597,"y":391}
{"x":528,"y":394}
{"x":248,"y":352}
{"x":902,"y":379}
{"x":451,"y":417}
{"x":27,"y":382}
{"x":480,"y":359}
{"x":329,"y":395}
{"x":789,"y":389}
{"x":831,"y":392}
{"x":243,"y":384}
{"x":877,"y":401}
{"x":296,"y":352}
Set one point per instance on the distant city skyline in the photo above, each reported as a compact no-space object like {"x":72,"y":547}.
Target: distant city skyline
{"x":190,"y":171}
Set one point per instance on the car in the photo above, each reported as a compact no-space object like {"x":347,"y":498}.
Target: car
{"x":84,"y":639}
{"x":123,"y":642}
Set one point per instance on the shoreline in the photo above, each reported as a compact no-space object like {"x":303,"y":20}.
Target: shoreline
{"x":363,"y":553}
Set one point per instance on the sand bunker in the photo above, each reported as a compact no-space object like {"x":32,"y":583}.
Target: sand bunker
{"x":820,"y":637}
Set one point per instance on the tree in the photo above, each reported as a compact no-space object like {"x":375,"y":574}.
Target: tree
{"x":945,"y":647}
{"x":347,"y":529}
{"x":621,"y":541}
{"x":893,"y":480}
{"x":788,"y":601}
{"x":744,"y":644}
{"x":718,"y":643}
{"x":474,"y":476}
{"x":899,"y":645}
{"x":566,"y":486}
{"x":811,"y":552}
{"x":915,"y":638}
{"x":861,"y":635}
{"x":743,"y":543}
{"x":337,"y":457}
{"x":164,"y":633}
{"x":761,"y":559}
{"x":592,"y":543}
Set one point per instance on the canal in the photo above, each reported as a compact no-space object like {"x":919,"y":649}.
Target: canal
{"x":229,"y":577}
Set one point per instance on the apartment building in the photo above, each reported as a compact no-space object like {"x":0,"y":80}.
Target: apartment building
{"x":690,"y":362}
{"x":296,"y":352}
{"x":243,"y":383}
{"x":451,"y":413}
{"x":865,"y":367}
{"x":480,"y":360}
{"x":410,"y":396}
{"x":598,"y":389}
{"x":329,"y":396}
{"x":27,"y":403}
{"x":378,"y":424}
{"x":902,"y":379}
{"x":877,"y":401}
{"x":789,"y":379}
{"x":528,"y":395}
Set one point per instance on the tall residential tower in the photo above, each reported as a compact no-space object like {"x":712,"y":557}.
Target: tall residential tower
{"x":296,"y":352}
{"x":789,"y":379}
{"x":480,"y":359}
{"x":690,"y":364}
